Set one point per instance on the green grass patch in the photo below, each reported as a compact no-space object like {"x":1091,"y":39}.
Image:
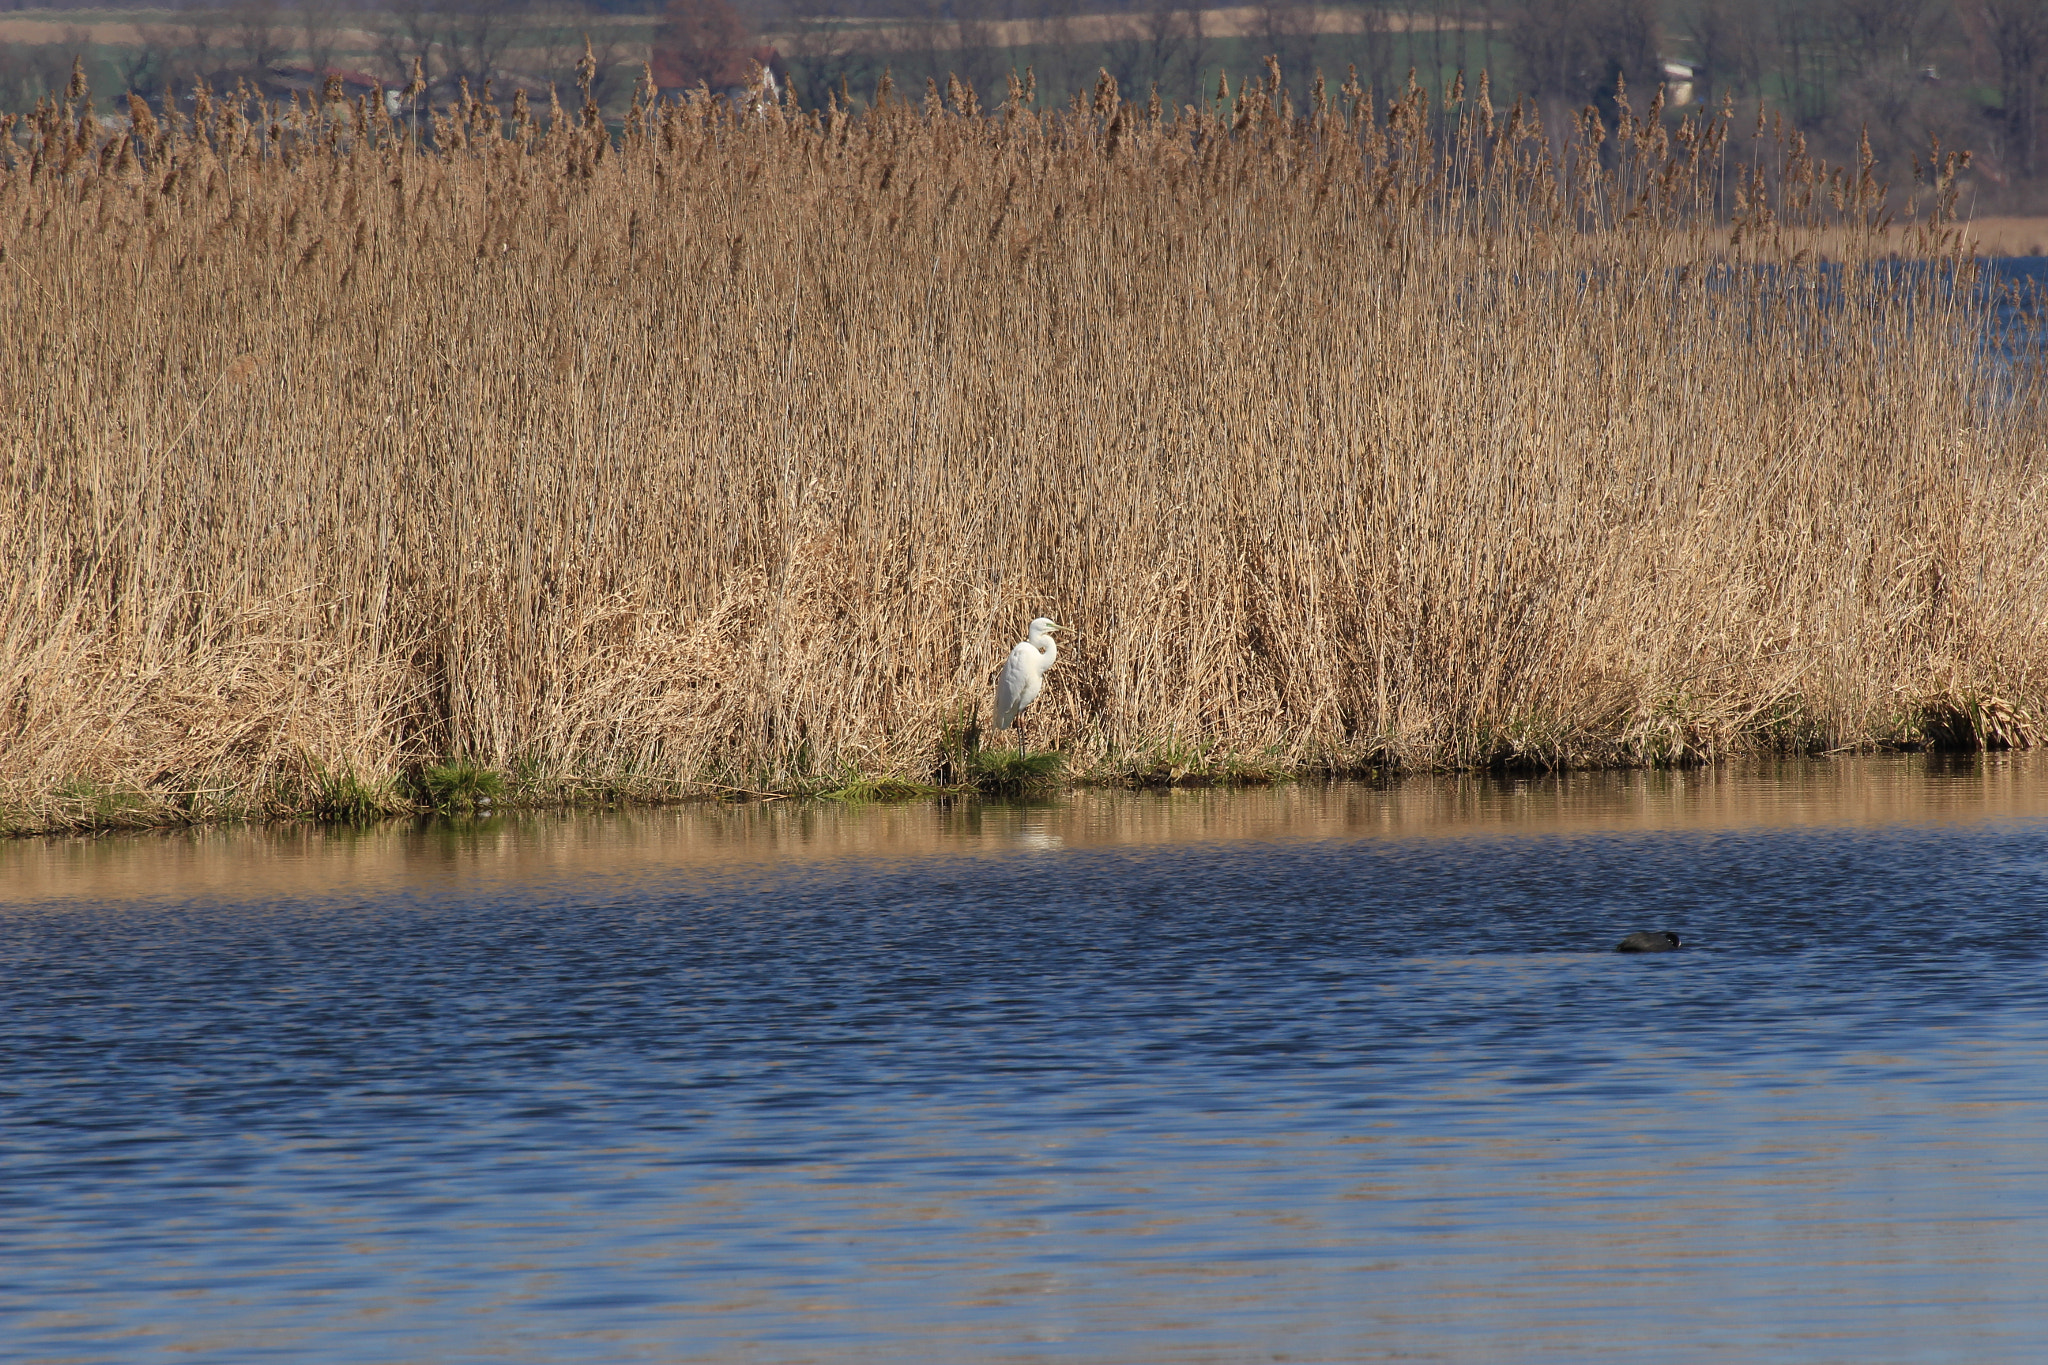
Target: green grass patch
{"x":344,"y":797}
{"x":83,"y":804}
{"x":880,"y":789}
{"x":964,"y":766}
{"x":458,"y":787}
{"x":1005,"y":772}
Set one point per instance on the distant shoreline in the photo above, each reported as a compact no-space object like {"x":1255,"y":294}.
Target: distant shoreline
{"x":2003,"y":235}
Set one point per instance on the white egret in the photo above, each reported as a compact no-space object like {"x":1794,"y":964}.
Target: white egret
{"x":1023,"y":676}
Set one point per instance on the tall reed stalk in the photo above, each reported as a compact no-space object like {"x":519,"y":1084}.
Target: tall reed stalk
{"x":737,"y":447}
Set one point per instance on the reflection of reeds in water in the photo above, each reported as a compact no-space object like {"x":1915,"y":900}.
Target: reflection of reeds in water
{"x":739,"y":448}
{"x":695,"y":844}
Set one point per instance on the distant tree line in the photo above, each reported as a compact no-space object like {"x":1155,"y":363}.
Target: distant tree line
{"x":278,"y":46}
{"x":1971,"y":72}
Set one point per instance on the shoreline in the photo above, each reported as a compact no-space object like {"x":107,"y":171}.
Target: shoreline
{"x":455,"y":788}
{"x":522,"y":845}
{"x":2007,"y":237}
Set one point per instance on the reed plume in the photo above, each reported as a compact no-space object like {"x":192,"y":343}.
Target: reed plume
{"x":735,"y":447}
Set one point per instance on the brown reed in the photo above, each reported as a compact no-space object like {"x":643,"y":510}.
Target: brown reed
{"x":736,"y":448}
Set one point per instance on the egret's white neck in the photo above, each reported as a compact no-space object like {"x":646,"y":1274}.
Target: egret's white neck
{"x":1049,"y":647}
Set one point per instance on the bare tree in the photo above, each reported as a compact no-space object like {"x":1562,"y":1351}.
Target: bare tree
{"x":1802,"y":46}
{"x":1286,"y":30}
{"x":139,"y":69}
{"x":2016,"y":32}
{"x":956,"y":37}
{"x":1149,"y":47}
{"x":1372,"y":51}
{"x":477,"y":34}
{"x":1551,"y":41}
{"x":1729,"y":40}
{"x":1574,"y":53}
{"x":1196,"y":51}
{"x":555,"y":41}
{"x":256,"y":29}
{"x":1574,"y":50}
{"x":610,"y":76}
{"x":1435,"y":72}
{"x":1880,"y":35}
{"x":1885,"y":48}
{"x":409,"y":35}
{"x":823,"y":50}
{"x":554,"y":44}
{"x":320,"y":26}
{"x":971,"y":25}
{"x":1625,"y":40}
{"x":189,"y":48}
{"x":1063,"y":60}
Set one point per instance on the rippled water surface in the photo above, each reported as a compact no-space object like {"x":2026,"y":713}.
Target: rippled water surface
{"x":1314,"y":1074}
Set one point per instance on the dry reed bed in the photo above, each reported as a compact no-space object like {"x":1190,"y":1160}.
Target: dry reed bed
{"x":738,"y":448}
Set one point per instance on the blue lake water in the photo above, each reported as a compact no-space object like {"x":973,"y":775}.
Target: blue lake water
{"x":1312,"y":1074}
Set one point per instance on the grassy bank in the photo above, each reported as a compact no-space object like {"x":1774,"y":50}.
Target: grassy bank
{"x":734,"y":454}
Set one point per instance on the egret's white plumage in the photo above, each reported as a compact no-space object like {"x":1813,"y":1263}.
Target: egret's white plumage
{"x":1023,"y":676}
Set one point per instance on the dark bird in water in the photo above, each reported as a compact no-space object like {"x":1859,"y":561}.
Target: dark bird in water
{"x":1648,"y":941}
